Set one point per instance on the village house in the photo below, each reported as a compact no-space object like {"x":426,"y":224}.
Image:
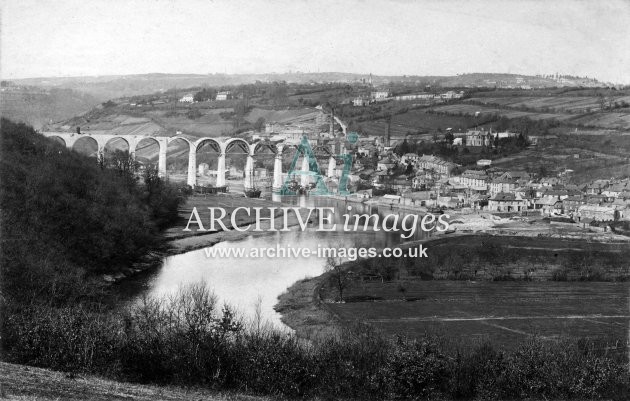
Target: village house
{"x":385,"y":164}
{"x":389,"y":200}
{"x":548,"y":205}
{"x":598,"y":213}
{"x":401,"y":184}
{"x":452,"y":95}
{"x":418,"y":198}
{"x":224,"y":95}
{"x":475,"y":179}
{"x":616,"y":189}
{"x":442,"y":167}
{"x":571,"y":204}
{"x":379,"y":96}
{"x":506,"y":202}
{"x":410,"y":158}
{"x":502,"y":184}
{"x":360,"y":101}
{"x":596,"y":187}
{"x":364,"y":194}
{"x":424,"y":96}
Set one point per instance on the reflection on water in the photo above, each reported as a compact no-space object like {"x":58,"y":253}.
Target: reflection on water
{"x":243,"y":282}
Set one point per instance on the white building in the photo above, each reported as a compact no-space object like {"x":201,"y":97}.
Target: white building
{"x":187,"y":98}
{"x":379,"y":96}
{"x":223,"y":95}
{"x":360,"y":102}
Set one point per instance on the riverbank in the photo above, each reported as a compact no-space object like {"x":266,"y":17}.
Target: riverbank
{"x":531,"y":296}
{"x":178,"y":241}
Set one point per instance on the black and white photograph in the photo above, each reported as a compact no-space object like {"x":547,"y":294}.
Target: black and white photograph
{"x":254,"y":200}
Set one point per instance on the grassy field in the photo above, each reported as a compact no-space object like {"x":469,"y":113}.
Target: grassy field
{"x":577,"y":104}
{"x":465,"y":108}
{"x":415,"y":121}
{"x":504,"y":313}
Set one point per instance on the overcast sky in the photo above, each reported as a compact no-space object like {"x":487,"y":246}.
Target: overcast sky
{"x":102,"y":37}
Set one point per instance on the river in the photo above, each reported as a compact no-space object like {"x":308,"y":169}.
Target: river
{"x":250,"y":283}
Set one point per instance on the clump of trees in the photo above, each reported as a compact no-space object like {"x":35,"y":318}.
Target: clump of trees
{"x":68,"y":218}
{"x":205,"y":94}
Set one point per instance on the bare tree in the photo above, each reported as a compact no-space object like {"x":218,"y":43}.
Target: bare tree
{"x":340,"y":277}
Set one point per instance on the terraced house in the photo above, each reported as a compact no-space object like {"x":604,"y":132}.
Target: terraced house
{"x":442,"y":167}
{"x":476,"y":180}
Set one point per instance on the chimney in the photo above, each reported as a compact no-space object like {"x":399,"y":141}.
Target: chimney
{"x":78,"y":130}
{"x":332,"y":122}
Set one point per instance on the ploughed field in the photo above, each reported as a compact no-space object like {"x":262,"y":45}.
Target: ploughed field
{"x":496,"y":288}
{"x":502,"y":312}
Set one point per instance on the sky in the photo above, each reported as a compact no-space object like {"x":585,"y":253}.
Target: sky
{"x":41,"y":38}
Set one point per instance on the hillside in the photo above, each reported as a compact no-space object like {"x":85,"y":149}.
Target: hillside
{"x":113,"y":86}
{"x":39,"y":106}
{"x":18,"y":382}
{"x":74,"y":219}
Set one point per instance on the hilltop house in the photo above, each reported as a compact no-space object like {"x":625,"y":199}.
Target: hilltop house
{"x":478,"y":138}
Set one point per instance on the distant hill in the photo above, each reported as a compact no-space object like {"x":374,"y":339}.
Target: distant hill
{"x":115,"y":86}
{"x":40,"y":106}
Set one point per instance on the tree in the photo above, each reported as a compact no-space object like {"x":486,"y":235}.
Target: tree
{"x":403,"y":148}
{"x":339,"y":276}
{"x":193,"y":114}
{"x":449,"y":138}
{"x":259,"y":124}
{"x":205,"y":94}
{"x":602,"y":102}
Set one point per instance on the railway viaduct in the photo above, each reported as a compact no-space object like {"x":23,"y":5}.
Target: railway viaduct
{"x":220,"y":145}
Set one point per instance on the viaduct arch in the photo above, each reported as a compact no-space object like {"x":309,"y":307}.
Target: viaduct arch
{"x":221,"y":145}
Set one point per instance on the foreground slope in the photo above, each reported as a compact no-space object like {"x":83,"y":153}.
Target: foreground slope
{"x":20,"y":382}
